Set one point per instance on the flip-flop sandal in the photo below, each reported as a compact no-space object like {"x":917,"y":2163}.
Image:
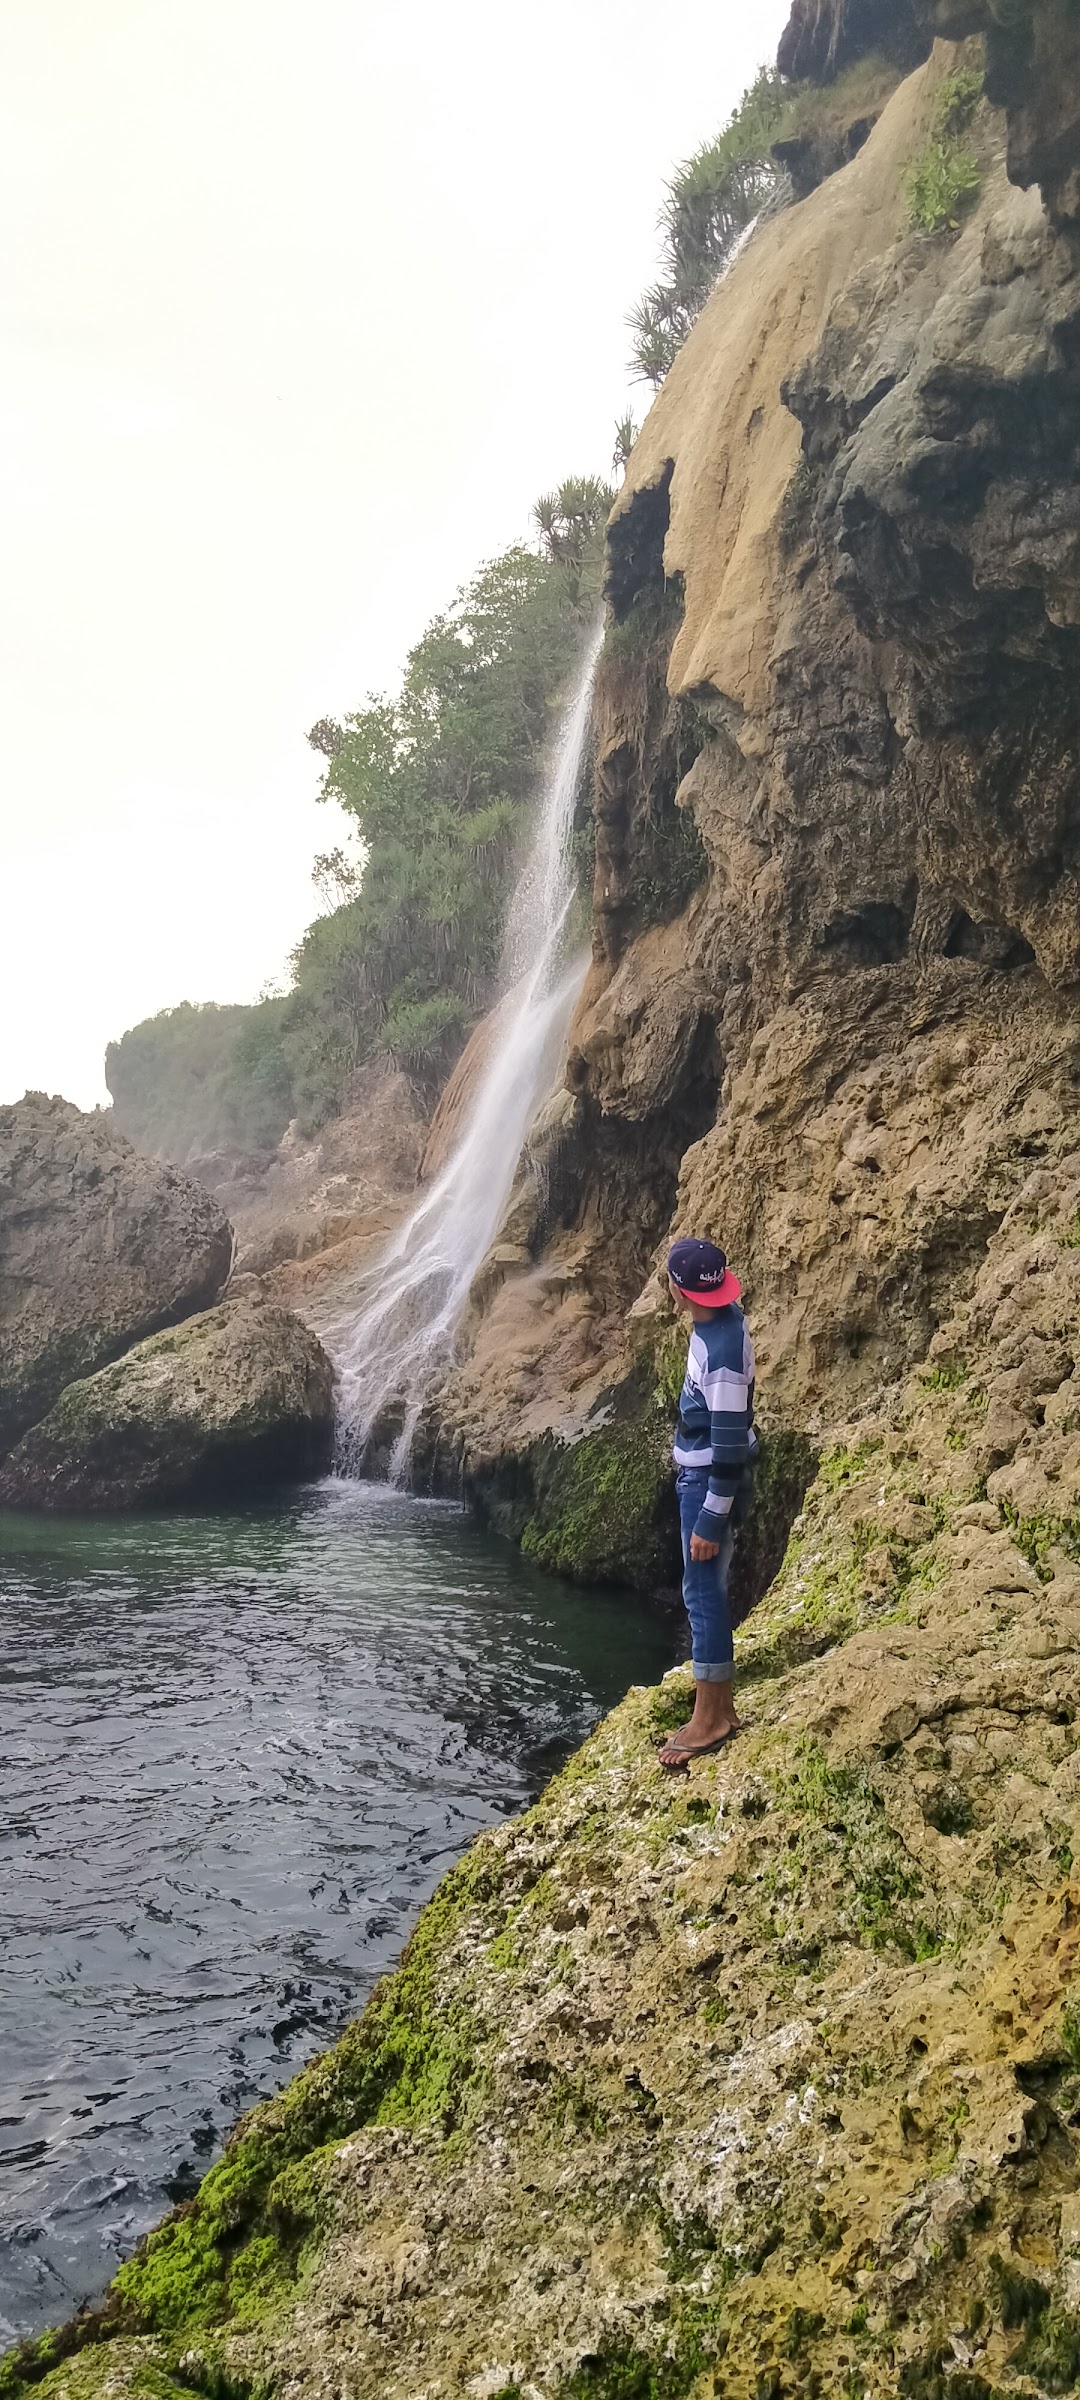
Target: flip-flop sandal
{"x":676,"y":1765}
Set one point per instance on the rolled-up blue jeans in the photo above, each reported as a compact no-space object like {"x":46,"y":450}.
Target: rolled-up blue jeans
{"x":705,"y":1585}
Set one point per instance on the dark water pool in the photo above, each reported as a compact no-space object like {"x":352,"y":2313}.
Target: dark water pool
{"x":236,"y":1753}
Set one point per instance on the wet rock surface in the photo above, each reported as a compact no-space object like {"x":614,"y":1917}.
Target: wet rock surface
{"x":98,"y":1247}
{"x":823,"y":37}
{"x":239,"y":1396}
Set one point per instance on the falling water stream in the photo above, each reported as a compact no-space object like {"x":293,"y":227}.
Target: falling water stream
{"x":394,"y":1337}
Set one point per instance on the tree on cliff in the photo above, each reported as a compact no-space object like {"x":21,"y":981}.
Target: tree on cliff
{"x":438,"y":781}
{"x":197,"y":1079}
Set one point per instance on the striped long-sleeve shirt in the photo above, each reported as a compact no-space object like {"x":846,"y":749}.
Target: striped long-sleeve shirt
{"x":716,"y":1413}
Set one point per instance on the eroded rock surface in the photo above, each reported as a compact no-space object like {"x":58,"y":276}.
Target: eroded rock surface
{"x":320,"y":1191}
{"x":98,"y":1247}
{"x":239,"y":1396}
{"x":845,"y":576}
{"x":765,"y":2079}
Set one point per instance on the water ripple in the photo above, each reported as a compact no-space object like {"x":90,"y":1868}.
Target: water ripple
{"x":236,"y":1754}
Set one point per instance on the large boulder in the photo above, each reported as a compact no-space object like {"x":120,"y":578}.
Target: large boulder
{"x":234,"y":1398}
{"x":98,"y":1247}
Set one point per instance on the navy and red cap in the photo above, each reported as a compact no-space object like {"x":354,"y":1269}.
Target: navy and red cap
{"x":701,"y":1273}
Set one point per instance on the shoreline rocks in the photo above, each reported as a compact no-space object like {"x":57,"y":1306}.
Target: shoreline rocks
{"x":235,"y":1398}
{"x":98,"y":1248}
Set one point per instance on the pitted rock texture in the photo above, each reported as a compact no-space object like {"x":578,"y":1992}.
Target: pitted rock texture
{"x":98,"y":1247}
{"x":762,"y":2079}
{"x":845,"y":577}
{"x":239,"y":1396}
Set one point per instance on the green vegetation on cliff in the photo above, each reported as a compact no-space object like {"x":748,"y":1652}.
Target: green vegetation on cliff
{"x":197,"y":1079}
{"x":438,"y":782}
{"x":780,"y":130}
{"x":715,"y":195}
{"x":945,"y":174}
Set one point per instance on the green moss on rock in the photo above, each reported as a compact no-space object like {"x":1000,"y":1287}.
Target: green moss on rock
{"x":238,"y":2248}
{"x":603,"y":1508}
{"x":242,"y":1394}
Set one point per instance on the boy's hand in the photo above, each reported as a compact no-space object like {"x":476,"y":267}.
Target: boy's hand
{"x":700,"y":1549}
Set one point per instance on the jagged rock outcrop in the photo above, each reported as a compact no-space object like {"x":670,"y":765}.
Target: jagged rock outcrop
{"x":1032,"y":52}
{"x":239,"y":1396}
{"x":831,"y":1012}
{"x":98,"y":1247}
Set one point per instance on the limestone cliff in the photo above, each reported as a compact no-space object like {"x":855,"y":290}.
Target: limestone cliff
{"x":831,"y":1017}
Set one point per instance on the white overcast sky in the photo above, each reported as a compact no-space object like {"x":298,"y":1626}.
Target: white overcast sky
{"x":302,"y":303}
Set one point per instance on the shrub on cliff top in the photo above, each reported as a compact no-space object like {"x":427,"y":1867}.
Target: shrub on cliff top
{"x":945,"y":174}
{"x":715,"y":195}
{"x":712,"y":199}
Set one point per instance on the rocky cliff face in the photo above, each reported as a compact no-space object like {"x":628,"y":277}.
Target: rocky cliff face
{"x":823,"y":37}
{"x":768,"y":2084}
{"x":839,"y":708}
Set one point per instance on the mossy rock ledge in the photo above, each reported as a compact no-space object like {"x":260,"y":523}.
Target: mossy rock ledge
{"x":239,"y":1396}
{"x":763,"y":2080}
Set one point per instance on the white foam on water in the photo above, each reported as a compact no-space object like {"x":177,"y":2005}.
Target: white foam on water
{"x":394,"y":1342}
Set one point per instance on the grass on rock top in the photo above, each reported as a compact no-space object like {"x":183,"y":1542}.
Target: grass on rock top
{"x":944,"y":176}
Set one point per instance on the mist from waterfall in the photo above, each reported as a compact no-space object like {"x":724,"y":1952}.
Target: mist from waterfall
{"x":395,"y":1340}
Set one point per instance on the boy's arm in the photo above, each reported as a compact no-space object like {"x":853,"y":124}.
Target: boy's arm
{"x":729,"y":1393}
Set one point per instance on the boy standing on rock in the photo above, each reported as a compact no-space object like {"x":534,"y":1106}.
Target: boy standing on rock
{"x":714,"y":1445}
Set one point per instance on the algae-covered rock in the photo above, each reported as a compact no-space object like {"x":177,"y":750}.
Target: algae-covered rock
{"x":238,"y":1396}
{"x":597,"y":1508}
{"x":761,"y":2080}
{"x":98,"y":1247}
{"x":601,"y":1508}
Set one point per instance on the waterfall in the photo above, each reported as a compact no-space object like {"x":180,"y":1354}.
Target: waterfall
{"x":395,"y":1341}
